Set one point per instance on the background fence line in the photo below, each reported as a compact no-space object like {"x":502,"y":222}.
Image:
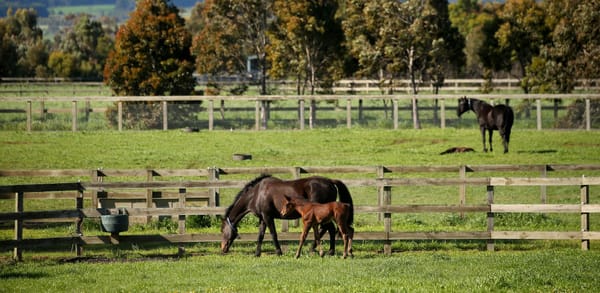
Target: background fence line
{"x":384,"y":186}
{"x":261,"y":108}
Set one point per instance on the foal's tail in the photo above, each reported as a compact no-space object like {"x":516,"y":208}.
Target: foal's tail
{"x":345,"y":197}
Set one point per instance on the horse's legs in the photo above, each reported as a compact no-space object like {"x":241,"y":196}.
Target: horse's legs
{"x":332,"y":231}
{"x":482,"y":129}
{"x":504,"y":141}
{"x":318,"y":240}
{"x":302,"y":238}
{"x":347,"y":234}
{"x":350,"y":237}
{"x":261,"y":235}
{"x":490,"y":131}
{"x":272,"y":229}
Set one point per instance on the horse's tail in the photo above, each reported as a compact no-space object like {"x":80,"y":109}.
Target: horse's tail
{"x":345,"y":197}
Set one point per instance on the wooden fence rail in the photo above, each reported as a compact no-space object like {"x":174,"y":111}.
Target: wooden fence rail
{"x":261,"y":110}
{"x":383,"y":185}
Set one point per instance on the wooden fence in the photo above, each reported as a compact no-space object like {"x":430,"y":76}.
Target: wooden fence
{"x":485,"y":186}
{"x":38,"y":86}
{"x":262,"y":110}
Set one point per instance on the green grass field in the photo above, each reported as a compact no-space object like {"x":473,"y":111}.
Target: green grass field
{"x":415,"y":266}
{"x":454,"y":271}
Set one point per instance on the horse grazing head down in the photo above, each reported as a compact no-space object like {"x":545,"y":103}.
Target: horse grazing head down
{"x":236,"y":211}
{"x":229,"y":232}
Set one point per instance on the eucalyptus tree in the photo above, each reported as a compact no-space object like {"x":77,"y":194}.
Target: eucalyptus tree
{"x":413,"y":38}
{"x":23,"y":50}
{"x":522,"y":32}
{"x":228,"y":33}
{"x":306,"y":42}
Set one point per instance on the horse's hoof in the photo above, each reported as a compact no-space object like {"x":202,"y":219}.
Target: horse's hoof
{"x":278,"y":252}
{"x":331,"y":252}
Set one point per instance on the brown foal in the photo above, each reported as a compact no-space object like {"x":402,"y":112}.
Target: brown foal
{"x":314,"y":214}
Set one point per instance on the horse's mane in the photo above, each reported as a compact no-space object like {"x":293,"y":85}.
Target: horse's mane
{"x":245,"y":190}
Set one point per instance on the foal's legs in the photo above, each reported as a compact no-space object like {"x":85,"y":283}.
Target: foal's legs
{"x":330,"y":227}
{"x":318,"y":240}
{"x":302,"y":238}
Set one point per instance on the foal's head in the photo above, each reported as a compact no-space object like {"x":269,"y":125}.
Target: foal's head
{"x":288,"y":205}
{"x":464,"y":105}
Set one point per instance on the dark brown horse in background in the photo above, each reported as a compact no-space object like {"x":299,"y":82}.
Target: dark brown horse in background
{"x":264,"y":197}
{"x":490,"y":118}
{"x":314,"y":214}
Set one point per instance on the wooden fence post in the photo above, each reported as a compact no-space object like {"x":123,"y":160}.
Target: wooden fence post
{"x":443,"y":113}
{"x":79,"y":222}
{"x":74,"y":116}
{"x":17,"y":252}
{"x":490,"y":218}
{"x":120,"y":114}
{"x":301,"y":113}
{"x":312,"y":114}
{"x":211,"y":114}
{"x":349,"y":113}
{"x":462,"y":188}
{"x":395,"y":113}
{"x":360,"y":110}
{"x":257,"y":115}
{"x":165,"y":115}
{"x":29,"y":116}
{"x":585,"y":217}
{"x":387,"y":220}
{"x":149,"y":202}
{"x":543,"y":189}
{"x":181,"y":205}
{"x":588,"y":114}
{"x":213,"y":193}
{"x":538,"y":111}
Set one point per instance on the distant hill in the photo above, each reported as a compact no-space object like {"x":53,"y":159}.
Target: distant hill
{"x":42,"y":6}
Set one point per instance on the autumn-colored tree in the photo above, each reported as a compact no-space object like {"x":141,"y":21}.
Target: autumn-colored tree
{"x":151,"y":57}
{"x":152,"y":53}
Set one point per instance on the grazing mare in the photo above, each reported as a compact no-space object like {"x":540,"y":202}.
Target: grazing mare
{"x":314,"y":214}
{"x":264,"y":197}
{"x":490,"y":118}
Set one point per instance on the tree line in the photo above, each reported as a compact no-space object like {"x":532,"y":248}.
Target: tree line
{"x":546,"y":44}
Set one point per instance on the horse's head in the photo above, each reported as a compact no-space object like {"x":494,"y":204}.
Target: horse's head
{"x":287,"y":206}
{"x":464,"y":105}
{"x":229,"y":232}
